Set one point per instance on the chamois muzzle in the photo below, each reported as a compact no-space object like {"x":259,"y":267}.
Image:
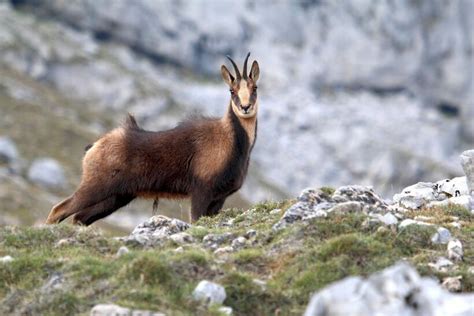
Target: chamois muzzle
{"x":246,"y":108}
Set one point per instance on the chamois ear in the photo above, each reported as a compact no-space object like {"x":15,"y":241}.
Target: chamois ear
{"x":254,"y":71}
{"x":227,"y":76}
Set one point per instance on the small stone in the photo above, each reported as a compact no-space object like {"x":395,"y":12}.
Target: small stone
{"x":250,"y":233}
{"x":179,"y":249}
{"x":122,"y":251}
{"x":388,"y":219}
{"x":226,"y":310}
{"x":470,"y":270}
{"x":408,"y":222}
{"x":382,"y":230}
{"x":213,"y":241}
{"x":455,"y":225}
{"x":441,"y":265}
{"x":423,"y":218}
{"x":321,"y":213}
{"x":6,"y":259}
{"x":262,"y":284}
{"x":239,"y":242}
{"x":275,"y":211}
{"x":65,"y":242}
{"x":442,"y":236}
{"x":145,"y":313}
{"x":455,"y":250}
{"x":223,"y":250}
{"x":209,"y":292}
{"x":371,"y":223}
{"x":54,"y":283}
{"x":452,"y":284}
{"x":110,"y":310}
{"x":182,"y":238}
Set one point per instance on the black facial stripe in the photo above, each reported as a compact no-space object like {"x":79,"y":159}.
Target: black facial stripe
{"x":253,"y":97}
{"x":236,"y":99}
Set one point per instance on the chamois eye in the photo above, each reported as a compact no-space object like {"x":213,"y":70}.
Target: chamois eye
{"x":232,"y":92}
{"x":254,"y":89}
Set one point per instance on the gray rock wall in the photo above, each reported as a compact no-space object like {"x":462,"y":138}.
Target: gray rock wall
{"x":373,"y":92}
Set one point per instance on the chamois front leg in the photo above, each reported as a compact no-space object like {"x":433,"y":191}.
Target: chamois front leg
{"x":156,"y":201}
{"x":200,"y":202}
{"x":215,"y":207}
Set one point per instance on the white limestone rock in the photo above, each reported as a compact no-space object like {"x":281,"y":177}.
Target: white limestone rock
{"x":453,"y":187}
{"x":6,"y":259}
{"x":155,"y":230}
{"x":442,"y":236}
{"x":122,"y":251}
{"x":416,"y":196}
{"x":182,"y":238}
{"x":396,"y":290}
{"x":109,"y":310}
{"x":452,"y":284}
{"x":209,"y":292}
{"x":455,"y":250}
{"x":408,"y":222}
{"x":442,"y":264}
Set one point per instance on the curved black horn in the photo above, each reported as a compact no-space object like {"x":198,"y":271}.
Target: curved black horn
{"x":245,"y":66}
{"x":237,"y":72}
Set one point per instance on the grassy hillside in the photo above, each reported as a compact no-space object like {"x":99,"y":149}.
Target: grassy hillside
{"x":65,"y":270}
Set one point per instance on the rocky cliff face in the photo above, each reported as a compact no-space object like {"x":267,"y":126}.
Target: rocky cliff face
{"x":372,"y":92}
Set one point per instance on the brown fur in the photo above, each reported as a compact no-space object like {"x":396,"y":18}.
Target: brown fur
{"x":204,"y":159}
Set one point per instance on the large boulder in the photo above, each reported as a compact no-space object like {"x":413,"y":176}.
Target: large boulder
{"x":440,"y":193}
{"x":397,"y":290}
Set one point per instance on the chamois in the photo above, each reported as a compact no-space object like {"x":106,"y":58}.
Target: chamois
{"x":204,"y":159}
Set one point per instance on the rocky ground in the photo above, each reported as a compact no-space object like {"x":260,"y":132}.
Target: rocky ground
{"x":410,"y":256}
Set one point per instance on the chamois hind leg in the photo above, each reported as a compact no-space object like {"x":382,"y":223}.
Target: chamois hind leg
{"x":83,"y":198}
{"x":58,"y":209}
{"x":101,"y":209}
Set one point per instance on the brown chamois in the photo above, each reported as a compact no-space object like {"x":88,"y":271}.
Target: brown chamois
{"x":205,"y":159}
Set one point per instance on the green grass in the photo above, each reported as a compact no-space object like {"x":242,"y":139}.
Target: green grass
{"x":294,"y":263}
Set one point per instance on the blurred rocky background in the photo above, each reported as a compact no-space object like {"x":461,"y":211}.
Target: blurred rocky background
{"x":365,"y":91}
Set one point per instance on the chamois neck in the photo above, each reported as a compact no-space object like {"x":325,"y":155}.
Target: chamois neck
{"x":248,"y":124}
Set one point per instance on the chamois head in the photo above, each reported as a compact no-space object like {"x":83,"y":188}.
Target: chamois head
{"x":243,"y":88}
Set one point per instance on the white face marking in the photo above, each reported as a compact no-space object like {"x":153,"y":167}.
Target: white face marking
{"x":244,"y":93}
{"x":244,"y":96}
